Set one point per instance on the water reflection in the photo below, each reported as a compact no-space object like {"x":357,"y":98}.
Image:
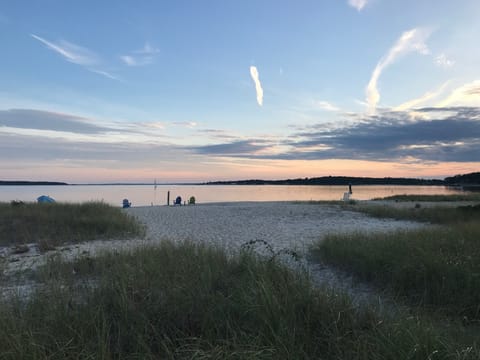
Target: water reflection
{"x":142,"y":195}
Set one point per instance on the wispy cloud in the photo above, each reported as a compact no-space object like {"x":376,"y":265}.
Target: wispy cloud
{"x":410,"y":41}
{"x":76,"y":54}
{"x":325,"y":105}
{"x":58,"y":125}
{"x":410,"y":104}
{"x":70,"y":52}
{"x":141,"y":57}
{"x":258,"y":85}
{"x":147,"y":49}
{"x":48,"y":120}
{"x":465,"y":95}
{"x":106,"y":74}
{"x":444,"y":62}
{"x":357,"y":4}
{"x":188,"y":124}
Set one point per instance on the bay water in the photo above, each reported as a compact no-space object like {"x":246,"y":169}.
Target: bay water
{"x":147,"y":195}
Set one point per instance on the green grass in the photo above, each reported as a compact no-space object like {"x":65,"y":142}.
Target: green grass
{"x":436,"y":267}
{"x":50,"y":225}
{"x":434,"y":198}
{"x":435,"y":215}
{"x":195,"y":302}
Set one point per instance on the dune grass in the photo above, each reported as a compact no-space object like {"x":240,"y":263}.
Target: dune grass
{"x":435,"y":215}
{"x":436,"y":267}
{"x":195,"y":302}
{"x":50,"y":225}
{"x":434,"y":198}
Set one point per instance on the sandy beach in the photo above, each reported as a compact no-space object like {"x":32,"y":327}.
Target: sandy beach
{"x":281,"y":224}
{"x":284,"y":225}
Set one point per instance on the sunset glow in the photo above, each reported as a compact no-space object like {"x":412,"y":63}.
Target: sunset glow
{"x":204,"y":91}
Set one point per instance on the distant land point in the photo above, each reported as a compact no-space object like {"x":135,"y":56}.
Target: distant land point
{"x":466,"y":181}
{"x":15,"y":182}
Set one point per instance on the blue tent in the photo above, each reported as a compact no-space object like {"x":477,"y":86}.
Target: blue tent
{"x":45,"y":199}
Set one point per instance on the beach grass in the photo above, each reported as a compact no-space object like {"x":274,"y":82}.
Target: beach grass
{"x":192,"y":301}
{"x":467,"y":196}
{"x":50,"y":225}
{"x":434,"y":215}
{"x":436,"y":268}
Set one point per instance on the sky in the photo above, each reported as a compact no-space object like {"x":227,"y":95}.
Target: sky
{"x":193,"y":91}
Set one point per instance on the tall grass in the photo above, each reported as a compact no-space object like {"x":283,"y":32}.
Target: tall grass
{"x":194,"y":302}
{"x":436,"y":215}
{"x":435,"y":267}
{"x":54,"y":224}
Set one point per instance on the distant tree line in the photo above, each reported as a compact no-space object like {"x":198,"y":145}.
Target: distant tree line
{"x":13,"y":182}
{"x":473,"y":178}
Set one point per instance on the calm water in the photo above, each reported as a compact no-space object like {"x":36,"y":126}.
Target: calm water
{"x":141,"y":195}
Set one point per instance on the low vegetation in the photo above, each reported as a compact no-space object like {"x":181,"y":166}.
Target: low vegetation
{"x":435,"y":198}
{"x":436,"y":267}
{"x":195,"y":302}
{"x":434,"y":215}
{"x":50,"y":225}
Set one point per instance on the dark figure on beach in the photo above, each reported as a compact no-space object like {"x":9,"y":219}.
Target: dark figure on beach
{"x":350,"y":188}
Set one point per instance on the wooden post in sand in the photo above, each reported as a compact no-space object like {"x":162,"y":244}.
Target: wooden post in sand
{"x":168,"y":198}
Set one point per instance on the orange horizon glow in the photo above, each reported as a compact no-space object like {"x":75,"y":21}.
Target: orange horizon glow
{"x":241,"y":169}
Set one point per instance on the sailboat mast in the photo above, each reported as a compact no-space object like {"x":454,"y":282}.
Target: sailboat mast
{"x":155,"y":191}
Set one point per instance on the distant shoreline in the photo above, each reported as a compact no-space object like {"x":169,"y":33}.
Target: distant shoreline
{"x":37,"y":183}
{"x":471,"y":180}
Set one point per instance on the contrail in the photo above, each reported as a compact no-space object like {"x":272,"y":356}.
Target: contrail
{"x":258,"y":85}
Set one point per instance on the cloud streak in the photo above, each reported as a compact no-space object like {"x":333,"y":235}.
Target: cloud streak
{"x":258,"y":86}
{"x":141,"y":57}
{"x":410,"y":104}
{"x":325,"y":105}
{"x":465,"y":95}
{"x":70,"y":52}
{"x":410,"y":41}
{"x":76,"y":54}
{"x":357,"y":4}
{"x":47,"y":120}
{"x":55,"y":125}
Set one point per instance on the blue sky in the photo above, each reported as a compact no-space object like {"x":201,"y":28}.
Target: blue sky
{"x":209,"y":90}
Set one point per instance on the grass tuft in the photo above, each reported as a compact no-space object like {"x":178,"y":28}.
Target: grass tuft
{"x":50,"y":225}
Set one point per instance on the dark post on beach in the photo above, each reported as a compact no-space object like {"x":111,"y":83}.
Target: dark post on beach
{"x":350,"y":188}
{"x":168,"y":198}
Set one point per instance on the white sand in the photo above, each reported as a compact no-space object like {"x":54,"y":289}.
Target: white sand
{"x":282,"y":224}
